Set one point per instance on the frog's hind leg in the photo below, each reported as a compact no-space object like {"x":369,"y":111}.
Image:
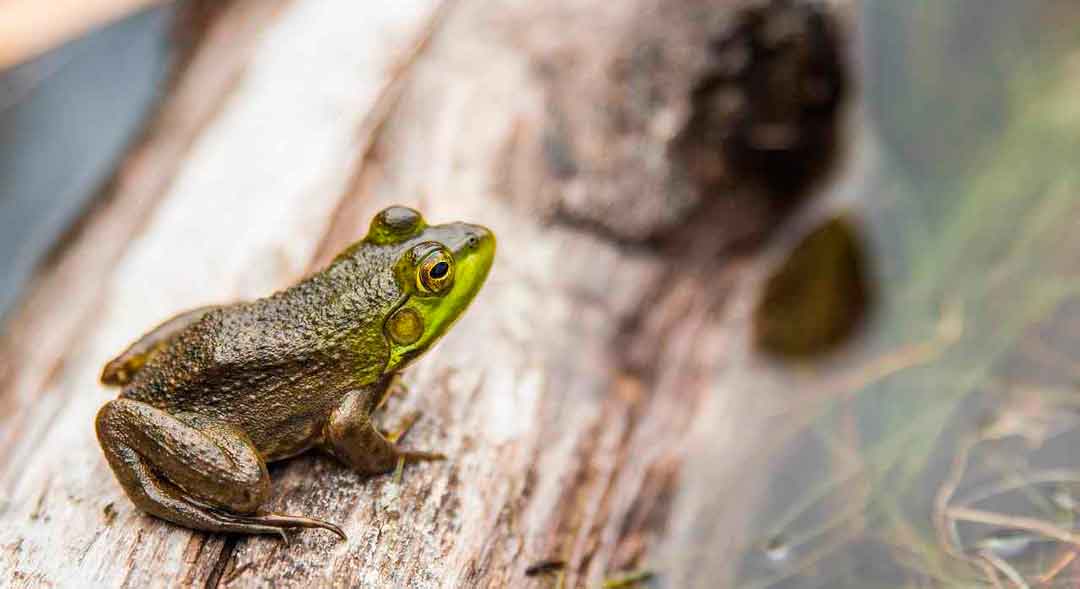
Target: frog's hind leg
{"x":120,"y":370}
{"x":190,"y":470}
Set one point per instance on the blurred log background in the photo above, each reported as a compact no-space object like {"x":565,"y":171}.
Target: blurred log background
{"x":600,"y":404}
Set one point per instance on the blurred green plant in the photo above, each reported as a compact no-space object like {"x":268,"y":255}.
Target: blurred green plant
{"x":973,"y":225}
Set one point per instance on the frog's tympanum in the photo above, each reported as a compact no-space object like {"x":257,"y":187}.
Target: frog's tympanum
{"x":212,"y":395}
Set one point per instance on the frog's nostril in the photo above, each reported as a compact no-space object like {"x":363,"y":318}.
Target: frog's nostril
{"x":476,"y":237}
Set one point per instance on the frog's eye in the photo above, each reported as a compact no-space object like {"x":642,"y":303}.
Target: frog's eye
{"x":435,"y":273}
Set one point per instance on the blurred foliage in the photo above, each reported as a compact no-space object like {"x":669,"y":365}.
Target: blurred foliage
{"x":966,"y":385}
{"x":936,"y":82}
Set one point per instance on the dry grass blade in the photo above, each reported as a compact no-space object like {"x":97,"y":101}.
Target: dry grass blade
{"x":1005,"y":568}
{"x":1029,"y":524}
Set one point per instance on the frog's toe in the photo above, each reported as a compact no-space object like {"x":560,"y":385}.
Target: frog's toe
{"x":414,"y":456}
{"x":281,"y":522}
{"x":395,"y":435}
{"x":394,"y":438}
{"x":395,"y":388}
{"x":299,"y":521}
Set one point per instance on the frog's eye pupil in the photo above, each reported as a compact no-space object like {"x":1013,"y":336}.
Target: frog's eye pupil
{"x":439,"y":270}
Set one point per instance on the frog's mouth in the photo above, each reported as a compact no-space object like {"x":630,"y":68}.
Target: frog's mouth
{"x":419,"y":321}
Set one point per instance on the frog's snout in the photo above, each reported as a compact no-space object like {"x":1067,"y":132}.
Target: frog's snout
{"x":477,"y":245}
{"x":479,"y":237}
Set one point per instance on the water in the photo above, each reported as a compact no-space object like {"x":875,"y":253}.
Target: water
{"x":937,"y":449}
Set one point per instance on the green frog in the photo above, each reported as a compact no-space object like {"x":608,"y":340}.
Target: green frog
{"x":211,"y":396}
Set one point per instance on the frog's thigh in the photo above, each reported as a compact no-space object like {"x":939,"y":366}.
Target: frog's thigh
{"x":213,"y":462}
{"x":120,"y":370}
{"x":161,"y":498}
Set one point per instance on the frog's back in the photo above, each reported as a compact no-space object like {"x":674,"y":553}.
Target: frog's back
{"x":273,"y":363}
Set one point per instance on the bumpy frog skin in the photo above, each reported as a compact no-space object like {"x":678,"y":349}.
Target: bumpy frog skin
{"x":212,"y":395}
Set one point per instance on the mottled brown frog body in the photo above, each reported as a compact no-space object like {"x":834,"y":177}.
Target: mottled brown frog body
{"x":212,"y":395}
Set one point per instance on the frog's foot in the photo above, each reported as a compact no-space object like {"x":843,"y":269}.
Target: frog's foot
{"x":394,"y":437}
{"x":395,"y":388}
{"x":281,"y":522}
{"x":354,"y":440}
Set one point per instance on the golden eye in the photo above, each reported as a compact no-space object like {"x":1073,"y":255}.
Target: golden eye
{"x":436,"y":272}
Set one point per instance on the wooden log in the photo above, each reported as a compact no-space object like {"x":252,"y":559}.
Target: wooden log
{"x":570,"y":398}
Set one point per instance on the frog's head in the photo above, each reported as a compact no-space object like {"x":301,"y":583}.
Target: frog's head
{"x":438,"y":269}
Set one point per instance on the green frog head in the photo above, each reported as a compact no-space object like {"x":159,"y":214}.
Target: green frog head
{"x":438,"y":269}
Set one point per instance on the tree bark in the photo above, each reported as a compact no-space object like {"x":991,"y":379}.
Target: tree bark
{"x":582,"y":401}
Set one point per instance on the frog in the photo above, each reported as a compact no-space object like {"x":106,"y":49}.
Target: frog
{"x":208,"y":398}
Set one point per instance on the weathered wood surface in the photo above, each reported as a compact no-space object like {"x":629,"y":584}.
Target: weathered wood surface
{"x":570,"y":398}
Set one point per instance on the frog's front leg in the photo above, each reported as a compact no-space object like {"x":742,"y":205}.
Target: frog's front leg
{"x":191,"y":470}
{"x":351,"y":436}
{"x":395,"y":386}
